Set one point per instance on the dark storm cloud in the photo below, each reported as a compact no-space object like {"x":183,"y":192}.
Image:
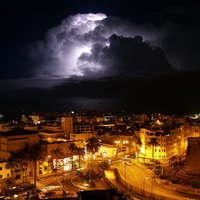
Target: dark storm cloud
{"x":175,"y":93}
{"x":132,"y":55}
{"x":182,"y":45}
{"x":105,"y":62}
{"x":88,"y":45}
{"x":182,"y":33}
{"x":126,"y":55}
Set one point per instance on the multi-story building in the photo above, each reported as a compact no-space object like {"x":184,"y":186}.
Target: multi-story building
{"x":83,"y":128}
{"x":115,"y":133}
{"x":13,"y":142}
{"x":81,"y":136}
{"x":171,"y":141}
{"x":4,"y":172}
{"x":67,"y":124}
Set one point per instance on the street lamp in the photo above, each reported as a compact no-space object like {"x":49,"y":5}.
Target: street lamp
{"x":146,"y":177}
{"x":125,"y":174}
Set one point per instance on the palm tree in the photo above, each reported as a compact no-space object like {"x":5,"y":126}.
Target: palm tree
{"x":153,"y":143}
{"x":8,"y":181}
{"x":57,"y":153}
{"x":73,"y":148}
{"x":80,"y":151}
{"x":12,"y":164}
{"x":92,"y":145}
{"x":138,"y":143}
{"x":35,"y":153}
{"x":22,"y":158}
{"x":103,"y":165}
{"x":76,"y":150}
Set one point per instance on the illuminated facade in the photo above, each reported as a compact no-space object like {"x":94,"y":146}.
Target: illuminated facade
{"x":67,"y":124}
{"x":12,"y":142}
{"x":4,"y":173}
{"x":170,"y":142}
{"x":107,"y":151}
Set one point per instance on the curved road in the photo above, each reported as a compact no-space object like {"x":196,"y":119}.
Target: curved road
{"x":141,"y":177}
{"x":136,"y":175}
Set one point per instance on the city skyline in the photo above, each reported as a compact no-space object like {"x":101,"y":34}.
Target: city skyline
{"x":138,"y":56}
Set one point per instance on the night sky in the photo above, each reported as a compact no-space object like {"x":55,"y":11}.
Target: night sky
{"x":139,"y":56}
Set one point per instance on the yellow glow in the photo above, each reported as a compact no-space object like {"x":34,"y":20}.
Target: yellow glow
{"x":110,"y":174}
{"x":142,"y":149}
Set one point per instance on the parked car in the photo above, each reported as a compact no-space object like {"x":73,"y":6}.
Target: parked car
{"x":42,"y":196}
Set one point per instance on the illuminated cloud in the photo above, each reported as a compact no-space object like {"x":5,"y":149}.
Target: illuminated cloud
{"x":95,"y":61}
{"x":88,"y":45}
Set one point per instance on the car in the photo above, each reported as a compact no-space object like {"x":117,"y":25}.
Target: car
{"x":128,"y":163}
{"x":71,"y":194}
{"x":133,"y":156}
{"x":42,"y":196}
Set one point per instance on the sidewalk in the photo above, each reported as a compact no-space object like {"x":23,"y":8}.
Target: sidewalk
{"x":180,"y":188}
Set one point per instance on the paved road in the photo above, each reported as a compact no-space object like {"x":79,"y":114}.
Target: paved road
{"x":137,"y":175}
{"x":141,"y":177}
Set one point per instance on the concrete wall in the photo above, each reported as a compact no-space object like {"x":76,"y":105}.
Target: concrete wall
{"x":138,"y":191}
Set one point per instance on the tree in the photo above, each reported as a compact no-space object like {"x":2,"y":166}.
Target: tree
{"x":92,"y":145}
{"x":138,"y":143}
{"x":94,"y":171}
{"x":8,"y":181}
{"x":12,"y":163}
{"x":153,"y":143}
{"x":80,"y":151}
{"x":35,"y":153}
{"x":22,"y":159}
{"x":73,"y":148}
{"x":76,"y":150}
{"x":57,"y":153}
{"x":103,"y":165}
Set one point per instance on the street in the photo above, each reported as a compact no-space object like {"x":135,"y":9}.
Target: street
{"x":141,"y":177}
{"x":137,"y":175}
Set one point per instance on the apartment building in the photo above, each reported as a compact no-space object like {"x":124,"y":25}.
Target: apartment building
{"x":67,"y":124}
{"x":171,"y":141}
{"x":83,"y":128}
{"x":4,"y":173}
{"x":12,"y":142}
